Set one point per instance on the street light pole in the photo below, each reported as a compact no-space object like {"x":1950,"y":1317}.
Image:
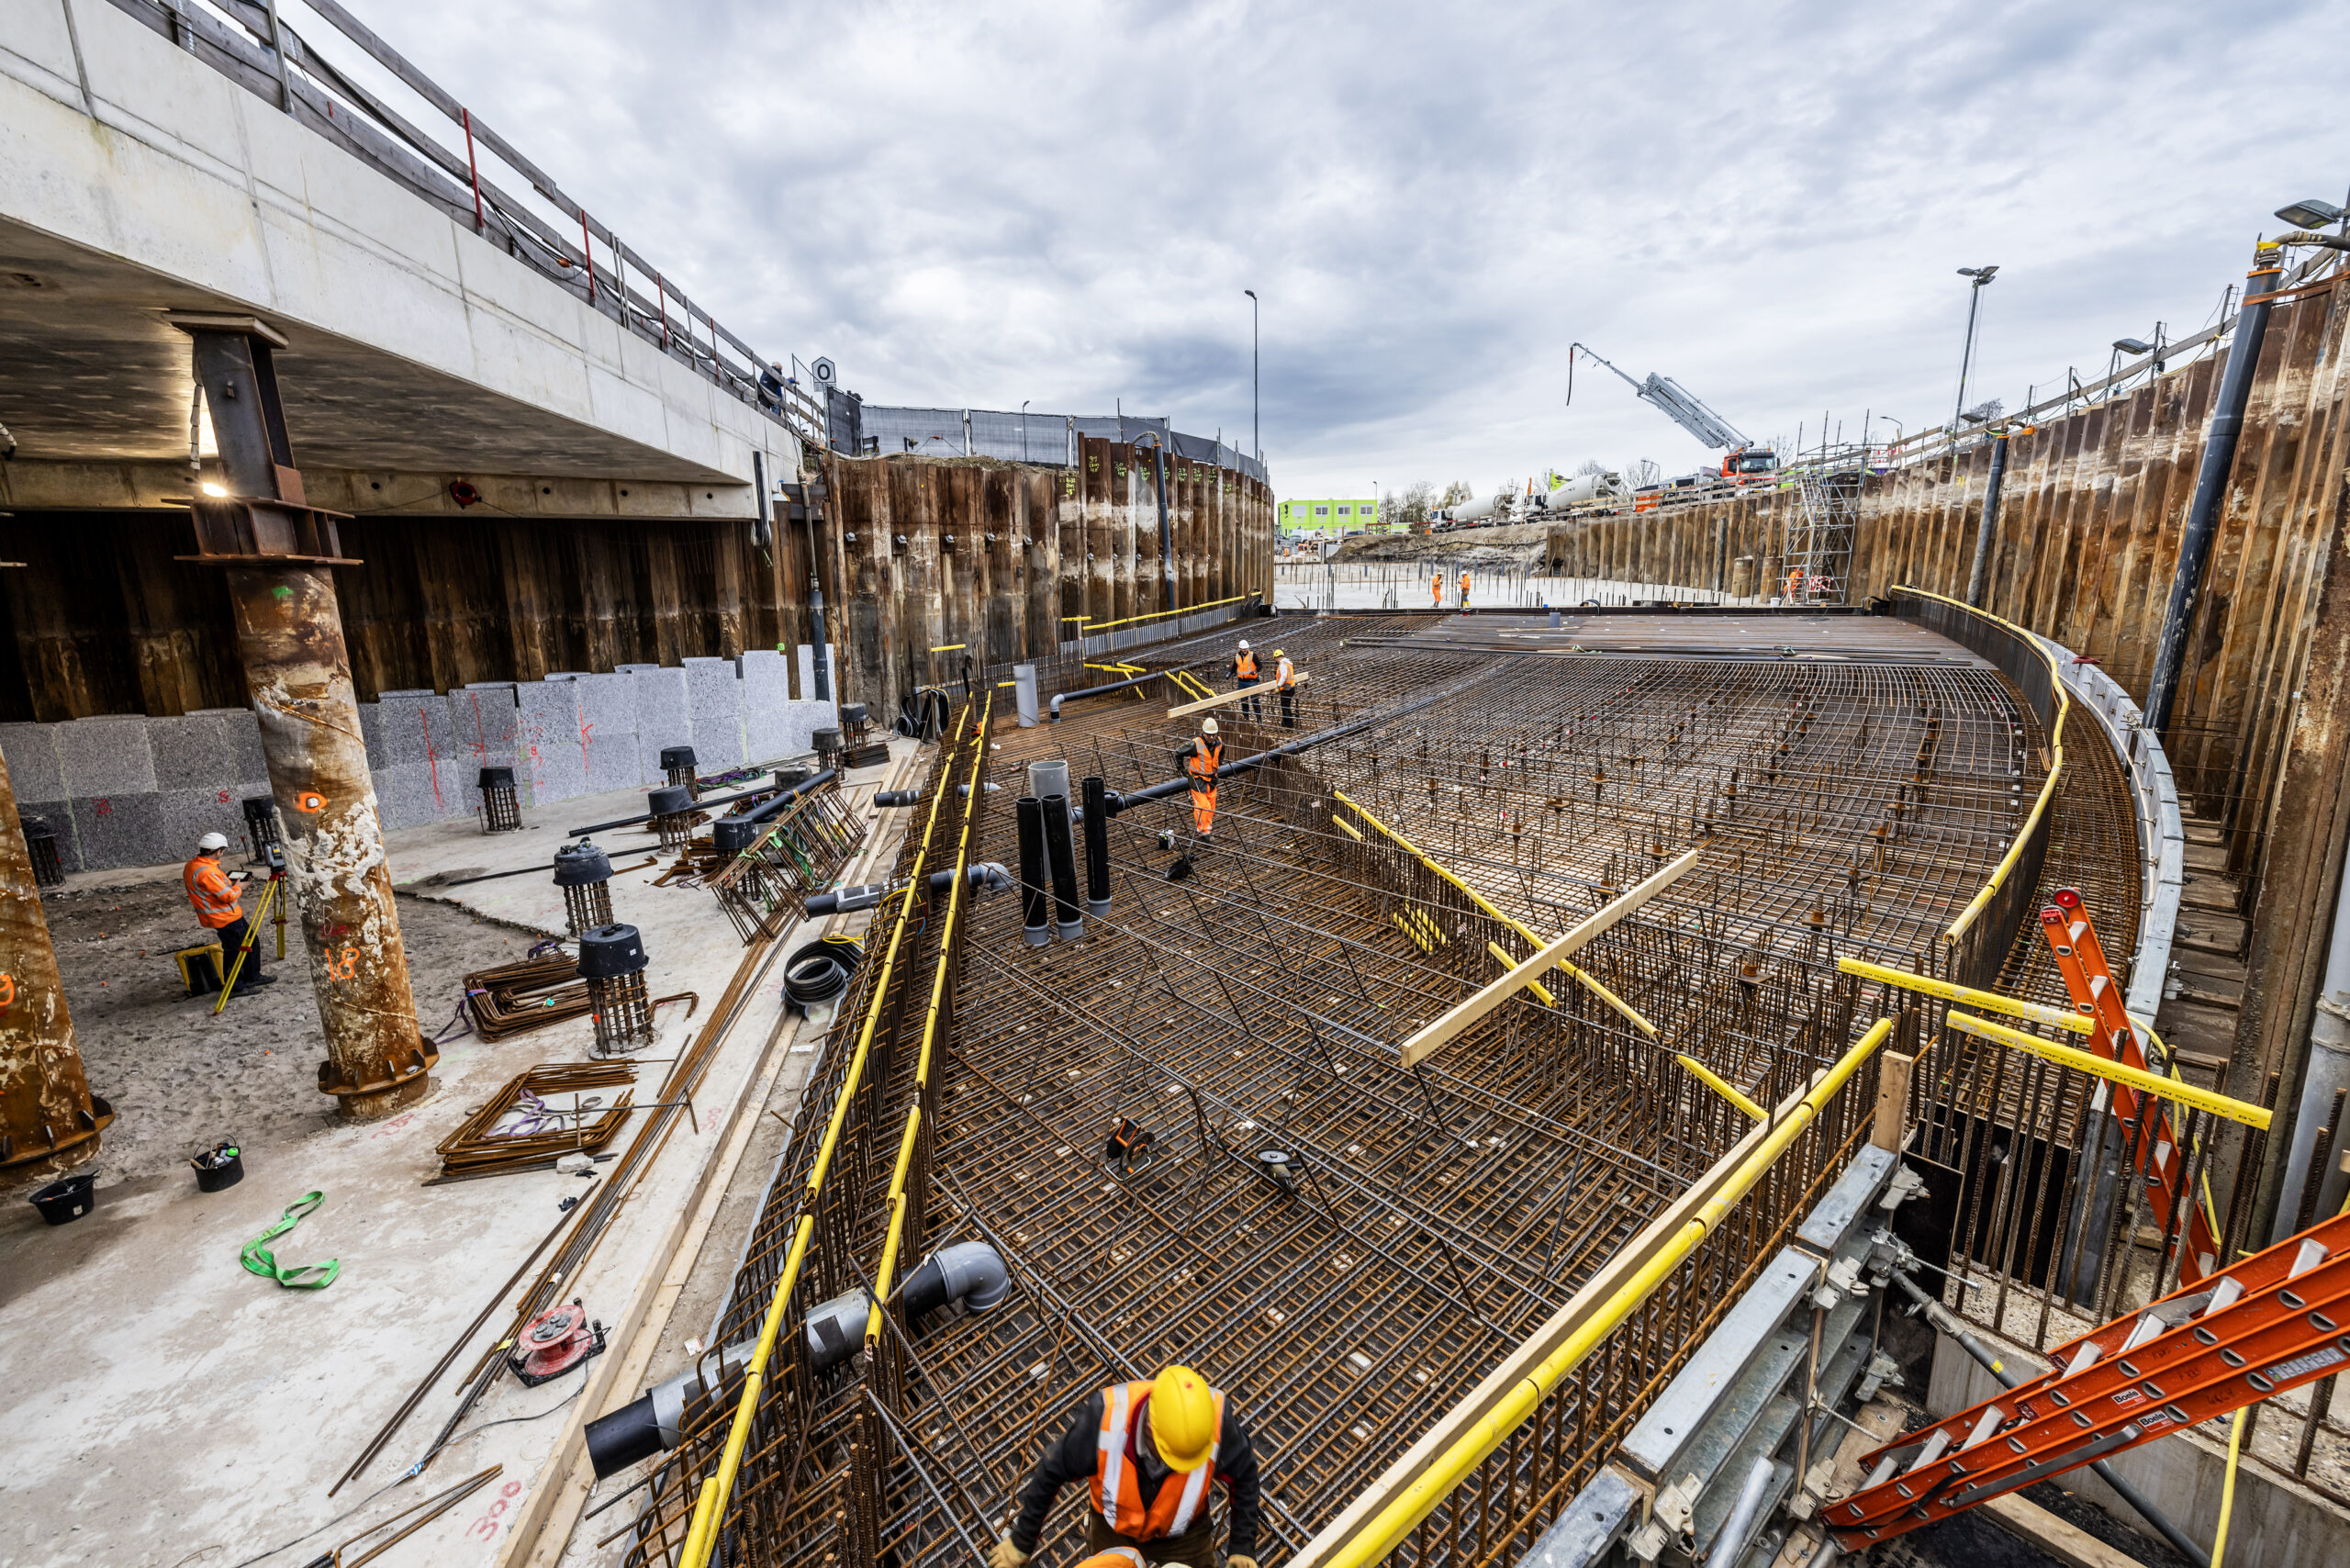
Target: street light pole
{"x":1255,"y":431}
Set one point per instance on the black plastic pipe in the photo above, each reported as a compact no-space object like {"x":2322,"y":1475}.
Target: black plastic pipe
{"x":1063,"y":855}
{"x":1032,"y":871}
{"x":1978,"y":575}
{"x":2211,"y":483}
{"x":1097,"y":848}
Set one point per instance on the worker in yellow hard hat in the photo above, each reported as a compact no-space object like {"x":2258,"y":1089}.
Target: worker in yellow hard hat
{"x":1153,"y":1450}
{"x":1285,"y":682}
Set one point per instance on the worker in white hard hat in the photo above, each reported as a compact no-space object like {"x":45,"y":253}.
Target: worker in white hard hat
{"x":1199,"y":764}
{"x":219,"y":906}
{"x":1246,"y":672}
{"x":1151,"y":1452}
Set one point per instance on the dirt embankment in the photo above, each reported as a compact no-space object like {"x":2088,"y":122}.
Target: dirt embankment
{"x":1480,"y":549}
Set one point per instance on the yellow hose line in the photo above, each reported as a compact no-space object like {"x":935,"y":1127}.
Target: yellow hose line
{"x":1501,"y":955}
{"x":1722,"y":1087}
{"x":1390,"y":1524}
{"x":1343,"y":825}
{"x":1991,"y":1001}
{"x":1091,"y":625}
{"x":709,"y":1506}
{"x":1573,"y":973}
{"x":2228,"y":1488}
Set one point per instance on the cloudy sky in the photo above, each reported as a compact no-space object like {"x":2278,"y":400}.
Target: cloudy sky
{"x":979,"y":204}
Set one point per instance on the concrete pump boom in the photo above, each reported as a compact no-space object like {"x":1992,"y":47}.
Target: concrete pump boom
{"x":1680,"y":405}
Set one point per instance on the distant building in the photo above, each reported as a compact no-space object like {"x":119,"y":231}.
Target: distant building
{"x":1332,"y":515}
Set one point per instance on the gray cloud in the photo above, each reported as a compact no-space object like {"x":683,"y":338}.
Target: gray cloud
{"x":982,"y":205}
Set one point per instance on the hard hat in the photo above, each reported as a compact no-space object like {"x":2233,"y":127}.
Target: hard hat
{"x":1182,"y":1419}
{"x":1279,"y":655}
{"x":1244,"y":642}
{"x":1115,"y":1557}
{"x":1207,"y":726}
{"x":213,"y":841}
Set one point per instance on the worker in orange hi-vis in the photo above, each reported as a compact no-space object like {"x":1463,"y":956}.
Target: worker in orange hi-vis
{"x":1199,"y":764}
{"x":1148,"y":1454}
{"x":1464,"y":591}
{"x":1435,"y":589}
{"x":219,"y":908}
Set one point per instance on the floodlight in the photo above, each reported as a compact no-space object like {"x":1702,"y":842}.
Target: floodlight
{"x":2310,"y":214}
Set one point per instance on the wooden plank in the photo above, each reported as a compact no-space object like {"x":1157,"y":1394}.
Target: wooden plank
{"x":1892,"y":1100}
{"x":1470,"y":1009}
{"x":1263,"y":688}
{"x":2038,"y":1528}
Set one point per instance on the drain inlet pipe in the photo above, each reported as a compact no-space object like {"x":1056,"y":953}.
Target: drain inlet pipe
{"x":1062,"y":853}
{"x":1097,"y":847}
{"x":1033,"y":929}
{"x":1947,"y":1322}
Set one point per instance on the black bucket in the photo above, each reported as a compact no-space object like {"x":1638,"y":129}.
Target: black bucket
{"x":62,"y":1203}
{"x":218,"y":1178}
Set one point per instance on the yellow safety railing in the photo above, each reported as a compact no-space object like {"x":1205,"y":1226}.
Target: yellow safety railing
{"x":1088,"y":626}
{"x":2046,"y":799}
{"x":1386,"y":1528}
{"x":1537,"y":942}
{"x":709,"y":1504}
{"x":939,"y":982}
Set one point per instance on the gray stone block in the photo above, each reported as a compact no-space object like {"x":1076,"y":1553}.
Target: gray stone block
{"x":714,"y":693}
{"x":550,"y":765}
{"x":415,"y":727}
{"x":123,"y":830}
{"x":106,"y":757}
{"x":192,"y":751}
{"x":663,"y":717}
{"x":242,"y":726}
{"x":766,"y":696}
{"x":486,"y":725}
{"x":371,"y":731}
{"x":407,"y":794}
{"x":800,"y":723}
{"x":183,"y":816}
{"x":608,"y":725}
{"x":36,"y":770}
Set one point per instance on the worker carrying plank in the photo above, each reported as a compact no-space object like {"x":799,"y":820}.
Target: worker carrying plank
{"x":1199,"y":764}
{"x":219,"y":906}
{"x":1152,"y":1451}
{"x":1244,"y":672}
{"x":1285,"y":683}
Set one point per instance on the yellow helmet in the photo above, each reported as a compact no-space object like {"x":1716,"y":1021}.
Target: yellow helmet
{"x":1182,"y":1419}
{"x":1279,"y":653}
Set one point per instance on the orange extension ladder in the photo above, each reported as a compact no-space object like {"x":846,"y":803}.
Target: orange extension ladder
{"x":2262,"y":1326}
{"x":2159,"y":1161}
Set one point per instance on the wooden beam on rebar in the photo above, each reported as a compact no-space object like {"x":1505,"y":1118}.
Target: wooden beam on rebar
{"x":1263,"y":689}
{"x":1470,"y":1008}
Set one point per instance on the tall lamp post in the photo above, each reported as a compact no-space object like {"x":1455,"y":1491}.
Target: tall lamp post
{"x":1256,"y":434}
{"x":1973,"y":299}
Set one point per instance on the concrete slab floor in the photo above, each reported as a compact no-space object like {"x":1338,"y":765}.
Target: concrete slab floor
{"x":172,"y":1410}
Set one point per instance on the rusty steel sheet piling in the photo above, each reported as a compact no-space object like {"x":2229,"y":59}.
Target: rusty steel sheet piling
{"x":47,"y":1112}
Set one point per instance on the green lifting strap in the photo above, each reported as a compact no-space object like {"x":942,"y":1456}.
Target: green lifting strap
{"x":258,"y":1259}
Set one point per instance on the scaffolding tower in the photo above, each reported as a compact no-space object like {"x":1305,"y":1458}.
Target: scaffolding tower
{"x":1819,"y":556}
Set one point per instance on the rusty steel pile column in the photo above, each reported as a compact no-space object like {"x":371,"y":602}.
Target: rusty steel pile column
{"x":278,"y":553}
{"x":47,"y":1112}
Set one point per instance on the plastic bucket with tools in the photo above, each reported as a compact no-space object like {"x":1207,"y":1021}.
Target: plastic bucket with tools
{"x":62,"y":1203}
{"x":219,"y":1167}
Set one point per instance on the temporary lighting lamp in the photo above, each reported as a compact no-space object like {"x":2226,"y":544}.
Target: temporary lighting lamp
{"x":2133,"y":345}
{"x":2310,"y":214}
{"x":1980,"y":274}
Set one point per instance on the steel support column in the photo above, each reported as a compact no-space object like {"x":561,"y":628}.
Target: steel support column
{"x":47,"y":1112}
{"x":277,"y":553}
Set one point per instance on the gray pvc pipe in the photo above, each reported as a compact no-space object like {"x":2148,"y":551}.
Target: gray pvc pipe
{"x":2326,"y":1071}
{"x":1731,"y":1545}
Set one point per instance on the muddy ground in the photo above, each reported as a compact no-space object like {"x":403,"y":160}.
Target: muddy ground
{"x":181,"y":1079}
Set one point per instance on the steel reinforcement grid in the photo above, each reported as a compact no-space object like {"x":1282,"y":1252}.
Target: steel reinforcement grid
{"x":1850,"y":801}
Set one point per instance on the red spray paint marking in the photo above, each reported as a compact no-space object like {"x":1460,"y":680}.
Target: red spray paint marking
{"x":431,"y":760}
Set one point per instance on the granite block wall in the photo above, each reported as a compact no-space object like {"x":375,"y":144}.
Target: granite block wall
{"x":127,"y":791}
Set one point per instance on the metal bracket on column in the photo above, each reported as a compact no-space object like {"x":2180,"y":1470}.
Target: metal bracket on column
{"x":267,"y":521}
{"x":423,"y":1059}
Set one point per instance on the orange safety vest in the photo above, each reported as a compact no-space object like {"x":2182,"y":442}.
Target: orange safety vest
{"x":1285,"y":675}
{"x":1117,"y":1496}
{"x":1244,"y":665}
{"x":215,"y":897}
{"x":1202,"y":765}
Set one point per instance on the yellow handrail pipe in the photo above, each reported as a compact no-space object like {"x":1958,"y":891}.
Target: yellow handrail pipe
{"x":1722,"y":1087}
{"x":1386,"y":1529}
{"x":2114,"y":1072}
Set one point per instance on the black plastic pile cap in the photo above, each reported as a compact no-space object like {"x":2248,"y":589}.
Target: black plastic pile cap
{"x":609,"y":952}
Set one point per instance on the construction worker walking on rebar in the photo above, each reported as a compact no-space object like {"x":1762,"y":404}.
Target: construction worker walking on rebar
{"x":1285,"y":683}
{"x":1464,"y":591}
{"x":1199,"y":764}
{"x":1152,"y":1453}
{"x":1435,"y":589}
{"x":1246,"y":672}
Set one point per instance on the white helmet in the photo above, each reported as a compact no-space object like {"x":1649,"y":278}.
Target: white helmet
{"x":1244,"y":645}
{"x":213,"y":841}
{"x":1207,"y":726}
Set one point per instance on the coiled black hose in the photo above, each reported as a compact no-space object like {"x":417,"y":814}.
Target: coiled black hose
{"x":924,"y":715}
{"x":820,"y":971}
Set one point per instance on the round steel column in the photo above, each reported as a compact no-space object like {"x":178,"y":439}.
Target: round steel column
{"x":289,"y":632}
{"x":47,"y":1112}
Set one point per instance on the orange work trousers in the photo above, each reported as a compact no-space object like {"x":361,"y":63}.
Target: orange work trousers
{"x":1203,"y":811}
